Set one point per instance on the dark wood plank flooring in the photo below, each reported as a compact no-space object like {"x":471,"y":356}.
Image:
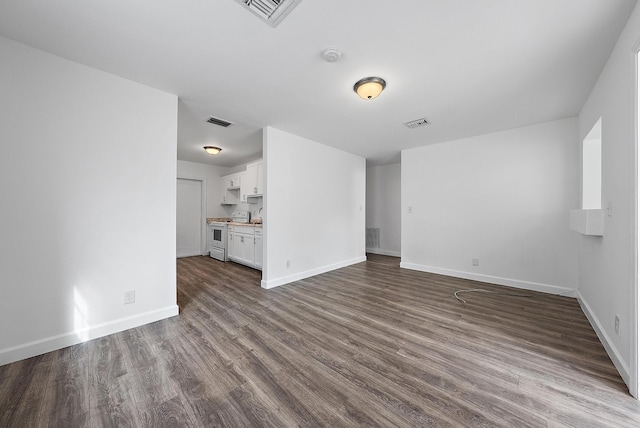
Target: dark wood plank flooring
{"x":367,"y":345}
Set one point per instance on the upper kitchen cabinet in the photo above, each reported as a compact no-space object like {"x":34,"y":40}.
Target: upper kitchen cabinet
{"x":232,"y":181}
{"x":254,"y":181}
{"x":243,"y":187}
{"x":230,"y":191}
{"x":244,"y":190}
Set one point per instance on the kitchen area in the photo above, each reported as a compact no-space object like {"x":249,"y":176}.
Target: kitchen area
{"x":224,"y":212}
{"x":238,"y":238}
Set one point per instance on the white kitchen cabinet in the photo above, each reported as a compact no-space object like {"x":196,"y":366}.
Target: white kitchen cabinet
{"x":230,"y":246}
{"x":232,"y":181}
{"x":260,"y":179}
{"x":257,"y":240}
{"x":254,"y":180}
{"x":229,"y":195}
{"x":244,"y":189}
{"x":244,"y":245}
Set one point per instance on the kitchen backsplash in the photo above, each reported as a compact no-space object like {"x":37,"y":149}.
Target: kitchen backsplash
{"x":254,"y":209}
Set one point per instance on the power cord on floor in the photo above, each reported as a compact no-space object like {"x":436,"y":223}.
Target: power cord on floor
{"x":480,"y":290}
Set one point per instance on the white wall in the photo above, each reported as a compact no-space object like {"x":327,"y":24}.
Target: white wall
{"x":607,"y":264}
{"x":503,"y":198}
{"x":210,"y":176}
{"x":383,"y":207}
{"x":314,"y":207}
{"x":88,"y":185}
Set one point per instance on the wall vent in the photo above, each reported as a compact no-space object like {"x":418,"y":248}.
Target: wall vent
{"x":218,"y":121}
{"x":270,"y":11}
{"x":373,"y":237}
{"x":417,"y":123}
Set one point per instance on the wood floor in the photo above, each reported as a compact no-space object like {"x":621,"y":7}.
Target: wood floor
{"x":367,"y":345}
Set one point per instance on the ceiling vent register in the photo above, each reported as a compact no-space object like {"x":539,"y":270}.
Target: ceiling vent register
{"x":218,"y":121}
{"x":417,"y":123}
{"x":270,"y":11}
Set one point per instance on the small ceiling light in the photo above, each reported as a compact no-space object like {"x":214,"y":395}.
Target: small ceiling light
{"x":212,"y":150}
{"x":369,"y":87}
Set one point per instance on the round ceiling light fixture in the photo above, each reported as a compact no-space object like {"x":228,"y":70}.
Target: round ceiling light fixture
{"x":369,"y":87}
{"x":212,"y":150}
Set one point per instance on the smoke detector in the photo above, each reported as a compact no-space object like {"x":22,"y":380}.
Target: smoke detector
{"x":331,"y":54}
{"x":270,"y":11}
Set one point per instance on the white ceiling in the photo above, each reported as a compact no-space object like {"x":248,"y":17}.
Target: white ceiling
{"x":468,"y":66}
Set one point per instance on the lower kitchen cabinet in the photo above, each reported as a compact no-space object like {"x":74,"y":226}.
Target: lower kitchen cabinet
{"x":244,"y":248}
{"x":244,"y":245}
{"x":230,"y":253}
{"x":258,"y":248}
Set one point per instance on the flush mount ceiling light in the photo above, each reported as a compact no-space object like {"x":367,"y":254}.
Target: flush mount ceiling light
{"x":212,"y":150}
{"x":369,"y":87}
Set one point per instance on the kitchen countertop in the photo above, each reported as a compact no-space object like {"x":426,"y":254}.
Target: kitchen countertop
{"x":228,"y":221}
{"x":218,"y":219}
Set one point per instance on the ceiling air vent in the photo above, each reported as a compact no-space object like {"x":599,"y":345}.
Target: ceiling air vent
{"x":218,"y":121}
{"x":270,"y":11}
{"x":417,"y":123}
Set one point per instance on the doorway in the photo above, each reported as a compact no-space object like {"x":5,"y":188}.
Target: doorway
{"x":190,"y":232}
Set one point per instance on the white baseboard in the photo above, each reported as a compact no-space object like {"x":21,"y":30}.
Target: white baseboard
{"x":312,"y":272}
{"x":612,"y":351}
{"x":383,"y":252}
{"x":516,"y":283}
{"x":38,"y":347}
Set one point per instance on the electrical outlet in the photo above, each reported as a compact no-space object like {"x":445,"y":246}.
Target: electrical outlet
{"x":288,"y":264}
{"x":475,"y":262}
{"x":129,"y":297}
{"x":617,"y":325}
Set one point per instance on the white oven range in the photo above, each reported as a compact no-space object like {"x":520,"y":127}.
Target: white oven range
{"x":218,"y":240}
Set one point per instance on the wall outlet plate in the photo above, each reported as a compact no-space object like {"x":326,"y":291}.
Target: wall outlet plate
{"x":129,"y":297}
